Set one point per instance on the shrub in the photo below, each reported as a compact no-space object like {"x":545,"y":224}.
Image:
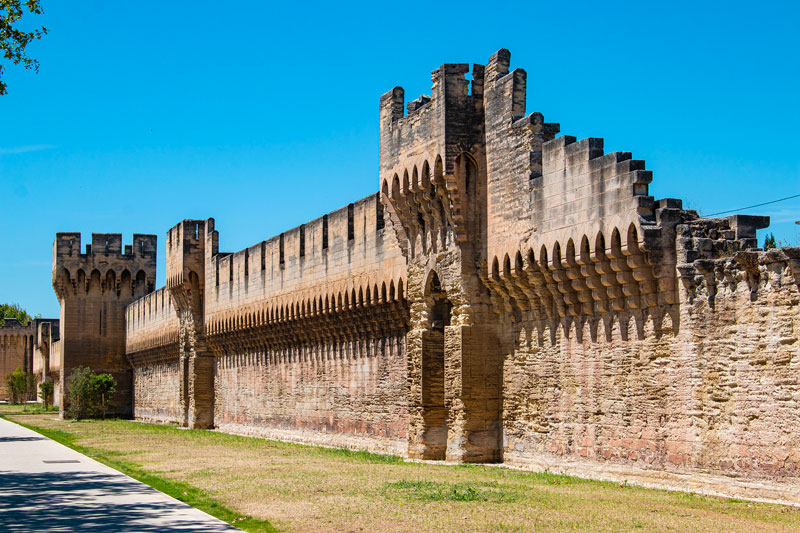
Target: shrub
{"x":89,"y":394}
{"x":16,"y":384}
{"x":103,"y":386}
{"x":79,"y":392}
{"x":46,"y":390}
{"x":20,"y":385}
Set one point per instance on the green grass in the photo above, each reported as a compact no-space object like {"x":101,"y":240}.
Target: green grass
{"x":455,"y":492}
{"x":294,"y":487}
{"x":177,"y":489}
{"x":28,"y":408}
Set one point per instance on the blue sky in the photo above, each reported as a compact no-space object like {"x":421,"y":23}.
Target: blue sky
{"x":265,"y":116}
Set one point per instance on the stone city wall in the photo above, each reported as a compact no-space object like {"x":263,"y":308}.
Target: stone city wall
{"x":710,"y":389}
{"x":507,"y":296}
{"x":16,"y":351}
{"x":151,"y":345}
{"x":308,"y":332}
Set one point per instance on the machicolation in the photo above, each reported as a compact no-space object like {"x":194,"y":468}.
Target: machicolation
{"x":508,"y":295}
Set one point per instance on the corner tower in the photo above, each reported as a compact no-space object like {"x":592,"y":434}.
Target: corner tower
{"x":93,"y":289}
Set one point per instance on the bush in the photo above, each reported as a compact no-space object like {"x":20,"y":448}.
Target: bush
{"x":89,"y":394}
{"x":46,"y":391}
{"x":104,"y":386}
{"x":20,"y":385}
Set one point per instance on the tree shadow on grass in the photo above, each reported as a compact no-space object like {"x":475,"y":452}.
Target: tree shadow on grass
{"x":92,"y":502}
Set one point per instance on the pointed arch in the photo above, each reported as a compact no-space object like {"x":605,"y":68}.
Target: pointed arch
{"x":555,"y":260}
{"x":586,"y":250}
{"x":111,"y":280}
{"x":632,"y":243}
{"x":438,"y":170}
{"x":543,"y":259}
{"x":81,"y":277}
{"x":395,"y":187}
{"x":433,"y":284}
{"x":570,"y":252}
{"x":425,"y":179}
{"x":139,"y":287}
{"x":616,"y":241}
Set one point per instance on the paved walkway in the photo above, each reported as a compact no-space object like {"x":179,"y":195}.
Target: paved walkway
{"x":45,"y":486}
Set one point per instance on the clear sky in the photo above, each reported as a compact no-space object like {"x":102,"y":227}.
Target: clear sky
{"x":265,"y":115}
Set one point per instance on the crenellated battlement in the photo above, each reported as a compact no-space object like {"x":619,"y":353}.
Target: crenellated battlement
{"x":68,"y":245}
{"x":151,"y":322}
{"x":104,"y":267}
{"x":439,"y":124}
{"x":335,"y":254}
{"x":186,"y":245}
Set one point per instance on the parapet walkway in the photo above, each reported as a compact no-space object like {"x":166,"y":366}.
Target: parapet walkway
{"x":45,"y":486}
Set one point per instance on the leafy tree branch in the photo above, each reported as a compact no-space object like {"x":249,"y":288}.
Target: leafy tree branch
{"x":14,"y":40}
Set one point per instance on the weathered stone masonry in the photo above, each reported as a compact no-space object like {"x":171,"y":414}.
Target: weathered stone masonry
{"x":94,"y":289}
{"x":508,"y":295}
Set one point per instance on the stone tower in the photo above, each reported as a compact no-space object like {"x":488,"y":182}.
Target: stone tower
{"x":433,"y":172}
{"x":187,"y":243}
{"x":93,"y":289}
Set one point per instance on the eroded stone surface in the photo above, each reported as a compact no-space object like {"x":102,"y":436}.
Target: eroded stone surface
{"x":506,"y":296}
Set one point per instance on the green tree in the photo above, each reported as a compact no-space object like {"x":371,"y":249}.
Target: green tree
{"x":103,"y":386}
{"x":79,"y":393}
{"x":14,"y":311}
{"x":46,"y":390}
{"x":18,"y":382}
{"x":769,"y":241}
{"x":88,"y":394}
{"x":13,"y":40}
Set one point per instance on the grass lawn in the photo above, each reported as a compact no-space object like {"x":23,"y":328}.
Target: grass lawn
{"x":30,"y":408}
{"x":303,"y":488}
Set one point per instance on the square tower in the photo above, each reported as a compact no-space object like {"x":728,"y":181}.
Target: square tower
{"x":93,"y":289}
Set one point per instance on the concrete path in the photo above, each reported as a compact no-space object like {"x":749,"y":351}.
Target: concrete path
{"x":45,"y":486}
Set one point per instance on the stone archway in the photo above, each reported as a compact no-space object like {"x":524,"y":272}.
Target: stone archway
{"x":434,"y":404}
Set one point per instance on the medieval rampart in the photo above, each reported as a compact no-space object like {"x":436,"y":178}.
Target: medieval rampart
{"x":151,"y":345}
{"x":308,"y":330}
{"x":16,"y":351}
{"x":509,"y":295}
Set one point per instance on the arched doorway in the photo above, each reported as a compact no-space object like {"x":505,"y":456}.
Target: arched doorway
{"x":434,"y":404}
